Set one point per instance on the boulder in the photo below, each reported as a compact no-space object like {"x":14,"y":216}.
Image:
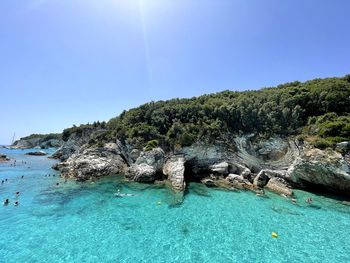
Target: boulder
{"x":261,"y":179}
{"x":174,"y":169}
{"x":241,"y":169}
{"x":239,"y":182}
{"x":142,"y":173}
{"x":220,"y":168}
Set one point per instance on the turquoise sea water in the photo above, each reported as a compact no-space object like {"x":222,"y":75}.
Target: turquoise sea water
{"x":86,"y":223}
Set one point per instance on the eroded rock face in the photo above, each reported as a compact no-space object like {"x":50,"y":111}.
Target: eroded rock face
{"x":37,"y":142}
{"x":241,"y":166}
{"x":92,"y":163}
{"x":154,"y":158}
{"x":148,"y":166}
{"x":74,"y":143}
{"x":174,"y":169}
{"x":327,"y":169}
{"x":200,"y":157}
{"x":142,"y":173}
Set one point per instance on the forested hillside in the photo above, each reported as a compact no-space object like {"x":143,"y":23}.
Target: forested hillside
{"x":319,"y":109}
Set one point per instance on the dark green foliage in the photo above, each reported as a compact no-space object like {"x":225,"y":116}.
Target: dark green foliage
{"x":45,"y":137}
{"x":322,"y":143}
{"x":100,"y":144}
{"x":283,"y":110}
{"x":78,"y":130}
{"x":151,"y":145}
{"x":331,"y":129}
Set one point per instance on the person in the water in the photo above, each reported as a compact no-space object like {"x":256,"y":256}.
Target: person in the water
{"x":7,"y":201}
{"x":16,"y":203}
{"x":309,"y":200}
{"x":123,"y":195}
{"x":17,"y":193}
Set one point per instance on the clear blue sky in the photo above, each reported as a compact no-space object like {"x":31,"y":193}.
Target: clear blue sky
{"x":65,"y":62}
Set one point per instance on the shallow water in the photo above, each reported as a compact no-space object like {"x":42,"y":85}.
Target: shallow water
{"x":86,"y":223}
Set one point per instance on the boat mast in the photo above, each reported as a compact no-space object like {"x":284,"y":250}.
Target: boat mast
{"x":13,"y":138}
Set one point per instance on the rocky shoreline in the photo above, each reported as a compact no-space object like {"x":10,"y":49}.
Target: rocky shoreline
{"x":276,"y":164}
{"x":4,"y":158}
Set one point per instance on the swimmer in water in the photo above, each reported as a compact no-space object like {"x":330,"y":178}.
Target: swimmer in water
{"x":17,"y":193}
{"x":123,"y":195}
{"x":309,"y":200}
{"x":16,"y":203}
{"x":6,"y":202}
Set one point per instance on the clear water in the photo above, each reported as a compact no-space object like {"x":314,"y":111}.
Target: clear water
{"x":86,"y":223}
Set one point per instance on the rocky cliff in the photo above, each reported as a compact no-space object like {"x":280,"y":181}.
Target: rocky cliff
{"x":75,"y":142}
{"x":38,"y":141}
{"x":245,"y":162}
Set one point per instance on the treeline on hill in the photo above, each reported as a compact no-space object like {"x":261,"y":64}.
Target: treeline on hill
{"x":318,"y":109}
{"x":78,"y":130}
{"x":44,"y":137}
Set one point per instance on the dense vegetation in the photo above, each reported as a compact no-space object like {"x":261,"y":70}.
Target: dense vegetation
{"x":79,"y":130}
{"x":317,"y":110}
{"x":44,"y":137}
